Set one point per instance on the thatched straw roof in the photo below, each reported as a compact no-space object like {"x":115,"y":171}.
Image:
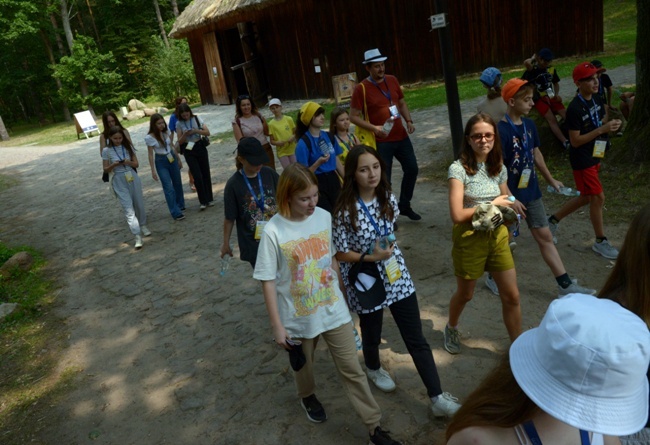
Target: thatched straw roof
{"x":201,"y":12}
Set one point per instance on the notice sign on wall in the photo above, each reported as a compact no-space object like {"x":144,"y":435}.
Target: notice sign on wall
{"x":85,"y":123}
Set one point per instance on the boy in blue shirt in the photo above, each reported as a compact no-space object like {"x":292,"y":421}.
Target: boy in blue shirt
{"x":521,"y":154}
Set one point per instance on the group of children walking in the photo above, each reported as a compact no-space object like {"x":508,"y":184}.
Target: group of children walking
{"x":321,"y":236}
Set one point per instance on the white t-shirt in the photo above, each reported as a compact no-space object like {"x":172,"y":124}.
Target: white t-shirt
{"x":151,"y":141}
{"x":298,"y":256}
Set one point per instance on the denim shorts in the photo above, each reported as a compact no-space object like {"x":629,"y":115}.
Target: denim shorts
{"x":536,"y":214}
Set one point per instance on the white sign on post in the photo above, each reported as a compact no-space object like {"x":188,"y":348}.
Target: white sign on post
{"x":438,"y":21}
{"x":85,"y":123}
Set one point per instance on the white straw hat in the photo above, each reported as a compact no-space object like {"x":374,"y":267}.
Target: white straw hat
{"x":586,"y":365}
{"x":372,"y":56}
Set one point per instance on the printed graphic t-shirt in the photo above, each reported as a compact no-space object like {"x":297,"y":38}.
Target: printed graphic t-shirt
{"x":298,"y":256}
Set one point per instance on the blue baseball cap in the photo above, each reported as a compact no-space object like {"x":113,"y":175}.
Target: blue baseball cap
{"x":545,"y":54}
{"x":491,"y":77}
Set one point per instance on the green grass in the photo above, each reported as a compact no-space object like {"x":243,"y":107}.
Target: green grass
{"x":31,"y":339}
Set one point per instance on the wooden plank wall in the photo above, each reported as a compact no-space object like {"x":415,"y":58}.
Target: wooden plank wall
{"x":485,"y":33}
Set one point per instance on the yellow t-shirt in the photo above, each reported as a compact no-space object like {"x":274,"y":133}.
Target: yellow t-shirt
{"x":282,"y":130}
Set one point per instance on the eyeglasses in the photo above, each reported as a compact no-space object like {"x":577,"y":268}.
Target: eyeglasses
{"x":489,"y":137}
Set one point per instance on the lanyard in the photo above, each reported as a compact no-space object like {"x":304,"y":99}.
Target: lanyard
{"x":529,"y":427}
{"x":346,"y":144}
{"x":372,"y":220}
{"x":385,"y":93}
{"x":259,"y":202}
{"x":123,"y":158}
{"x":524,"y":139}
{"x":594,"y":119}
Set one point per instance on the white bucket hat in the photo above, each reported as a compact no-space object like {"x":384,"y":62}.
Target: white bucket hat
{"x":586,"y":365}
{"x":372,"y":56}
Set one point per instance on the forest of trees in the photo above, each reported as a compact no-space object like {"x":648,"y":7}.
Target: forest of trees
{"x":58,"y":57}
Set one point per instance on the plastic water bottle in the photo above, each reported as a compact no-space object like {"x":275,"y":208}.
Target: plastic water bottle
{"x":357,"y":339}
{"x":225,"y":263}
{"x":388,"y":125}
{"x":566,"y":191}
{"x":325,"y":147}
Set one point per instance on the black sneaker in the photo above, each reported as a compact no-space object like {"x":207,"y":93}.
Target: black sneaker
{"x":180,"y":217}
{"x":314,"y":409}
{"x":381,"y":437}
{"x":410,"y":213}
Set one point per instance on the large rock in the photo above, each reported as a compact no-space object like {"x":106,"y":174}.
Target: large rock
{"x":7,"y":309}
{"x":134,"y":115}
{"x":21,"y":260}
{"x":135,"y":104}
{"x":149,"y":111}
{"x":163,"y":110}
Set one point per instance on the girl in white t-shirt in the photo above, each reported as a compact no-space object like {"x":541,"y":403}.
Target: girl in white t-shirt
{"x":302,"y":290}
{"x":120,"y":161}
{"x":168,"y":164}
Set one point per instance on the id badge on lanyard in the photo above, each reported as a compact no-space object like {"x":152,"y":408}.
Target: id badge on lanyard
{"x":259,"y":228}
{"x":600,"y":147}
{"x":525,"y":178}
{"x":170,"y":158}
{"x":129,"y":176}
{"x":394,"y":112}
{"x":393,"y":271}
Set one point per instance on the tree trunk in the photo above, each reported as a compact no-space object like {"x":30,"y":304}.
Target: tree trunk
{"x":175,"y":8}
{"x":3,"y":131}
{"x":65,"y":20}
{"x":92,"y":20}
{"x":161,"y":24}
{"x":57,"y":33}
{"x":50,"y":55}
{"x":638,"y":127}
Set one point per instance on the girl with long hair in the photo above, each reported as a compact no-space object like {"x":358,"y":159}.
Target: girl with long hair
{"x":167,"y":163}
{"x":364,"y":221}
{"x":629,"y":285}
{"x":250,"y":123}
{"x":340,"y":128}
{"x":173,"y":120}
{"x":318,"y":150}
{"x":120,"y":161}
{"x":110,"y":120}
{"x":190,"y":131}
{"x":479,"y":176}
{"x":301,"y":285}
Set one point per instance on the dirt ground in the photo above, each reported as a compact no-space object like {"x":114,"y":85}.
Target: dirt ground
{"x":170,"y":352}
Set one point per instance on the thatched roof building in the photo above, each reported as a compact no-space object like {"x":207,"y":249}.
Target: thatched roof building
{"x":292,"y":49}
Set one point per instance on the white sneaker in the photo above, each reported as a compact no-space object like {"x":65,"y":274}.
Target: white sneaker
{"x":491,"y":284}
{"x":575,"y":288}
{"x":605,"y":249}
{"x":512,"y":245}
{"x":202,"y":207}
{"x":446,"y":405}
{"x":382,"y":380}
{"x":138,"y":241}
{"x":145,"y":231}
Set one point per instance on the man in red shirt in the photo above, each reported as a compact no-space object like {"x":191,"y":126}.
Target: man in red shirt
{"x":386,"y":109}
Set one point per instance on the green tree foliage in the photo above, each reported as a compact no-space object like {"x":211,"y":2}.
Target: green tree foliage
{"x":170,"y":72}
{"x":32,"y":29}
{"x":98,"y":69}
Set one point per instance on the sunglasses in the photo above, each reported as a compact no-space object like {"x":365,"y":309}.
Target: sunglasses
{"x":243,"y":96}
{"x":489,"y":137}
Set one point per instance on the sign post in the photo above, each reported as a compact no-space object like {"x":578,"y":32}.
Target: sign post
{"x":85,"y":123}
{"x":439,"y":22}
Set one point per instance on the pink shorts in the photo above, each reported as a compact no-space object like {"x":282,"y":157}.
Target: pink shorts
{"x":587,"y":181}
{"x":544,"y":104}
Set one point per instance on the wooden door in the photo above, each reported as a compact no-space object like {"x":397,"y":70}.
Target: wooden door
{"x":215,"y":70}
{"x":253,"y":65}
